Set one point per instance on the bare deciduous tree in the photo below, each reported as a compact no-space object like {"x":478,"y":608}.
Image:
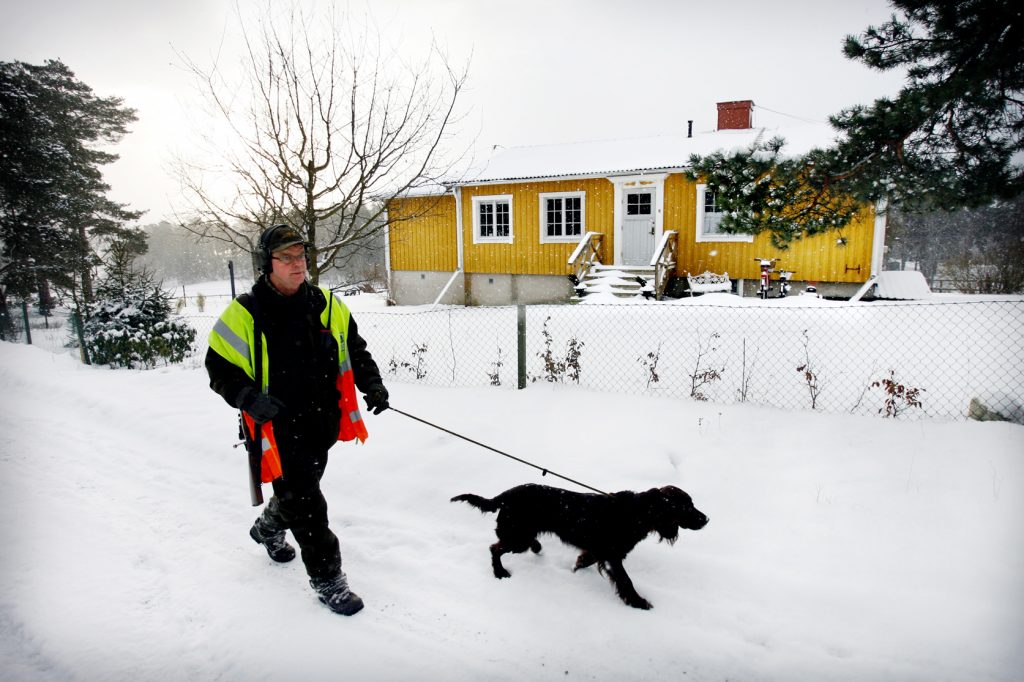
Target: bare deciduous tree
{"x":320,"y":128}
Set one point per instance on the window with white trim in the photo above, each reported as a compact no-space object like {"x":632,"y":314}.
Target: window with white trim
{"x":638,"y":203}
{"x":562,"y":216}
{"x":712,"y":214}
{"x":709,"y":219}
{"x":492,"y":219}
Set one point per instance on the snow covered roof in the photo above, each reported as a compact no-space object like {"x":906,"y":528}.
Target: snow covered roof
{"x":632,"y":156}
{"x":638,"y":155}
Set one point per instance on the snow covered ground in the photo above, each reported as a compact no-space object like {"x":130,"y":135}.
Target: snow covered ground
{"x":840,"y":547}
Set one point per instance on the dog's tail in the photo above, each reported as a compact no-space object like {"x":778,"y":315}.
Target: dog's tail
{"x":481,"y":503}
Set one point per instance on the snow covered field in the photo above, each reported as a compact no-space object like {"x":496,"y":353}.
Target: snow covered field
{"x":840,"y":547}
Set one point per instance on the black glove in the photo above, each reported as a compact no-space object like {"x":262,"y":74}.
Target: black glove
{"x":377,"y":398}
{"x":260,"y":406}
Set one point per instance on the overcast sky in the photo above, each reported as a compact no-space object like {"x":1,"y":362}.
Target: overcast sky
{"x":542,"y":71}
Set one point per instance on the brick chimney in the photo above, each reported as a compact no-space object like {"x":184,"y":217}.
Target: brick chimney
{"x":735,"y":115}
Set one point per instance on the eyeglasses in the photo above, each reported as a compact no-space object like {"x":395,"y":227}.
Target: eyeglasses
{"x":288,"y":260}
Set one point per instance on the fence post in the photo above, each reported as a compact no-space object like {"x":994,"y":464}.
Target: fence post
{"x":24,"y":314}
{"x":521,"y":343}
{"x":231,"y":274}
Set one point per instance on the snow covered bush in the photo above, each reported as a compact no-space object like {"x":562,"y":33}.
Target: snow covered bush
{"x":131,"y":325}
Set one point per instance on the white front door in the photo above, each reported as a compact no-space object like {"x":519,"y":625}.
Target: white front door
{"x":638,"y":225}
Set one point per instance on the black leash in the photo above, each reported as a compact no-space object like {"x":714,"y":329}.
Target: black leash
{"x":544,"y":472}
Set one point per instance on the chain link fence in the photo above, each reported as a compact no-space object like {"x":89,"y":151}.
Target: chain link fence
{"x":908,"y":360}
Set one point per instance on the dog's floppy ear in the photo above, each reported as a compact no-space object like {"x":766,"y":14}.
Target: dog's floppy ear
{"x":665,"y":517}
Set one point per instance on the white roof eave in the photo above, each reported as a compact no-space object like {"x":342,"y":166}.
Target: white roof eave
{"x":573,"y":176}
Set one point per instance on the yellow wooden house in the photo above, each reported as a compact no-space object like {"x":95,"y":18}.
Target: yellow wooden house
{"x":533,"y":218}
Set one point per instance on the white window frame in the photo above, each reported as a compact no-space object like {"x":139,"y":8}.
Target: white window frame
{"x":704,"y":237}
{"x":563,"y":239}
{"x":639,"y":191}
{"x":492,"y":199}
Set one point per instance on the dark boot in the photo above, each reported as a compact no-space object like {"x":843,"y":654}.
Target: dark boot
{"x":277,"y":547}
{"x":335,"y":594}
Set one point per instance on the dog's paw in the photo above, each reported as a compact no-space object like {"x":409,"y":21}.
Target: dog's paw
{"x":502,"y":573}
{"x":640,"y":603}
{"x":584,"y":560}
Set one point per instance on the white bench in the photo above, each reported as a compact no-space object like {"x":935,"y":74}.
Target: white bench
{"x":709,"y":282}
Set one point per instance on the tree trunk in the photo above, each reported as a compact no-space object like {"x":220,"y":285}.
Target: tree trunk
{"x":6,"y":324}
{"x":45,"y":300}
{"x":86,"y":272}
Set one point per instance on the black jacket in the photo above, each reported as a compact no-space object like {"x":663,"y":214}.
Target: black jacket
{"x":303,"y":364}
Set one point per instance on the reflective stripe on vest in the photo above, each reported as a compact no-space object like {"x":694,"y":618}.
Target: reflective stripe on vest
{"x":270,"y":462}
{"x":232,"y":339}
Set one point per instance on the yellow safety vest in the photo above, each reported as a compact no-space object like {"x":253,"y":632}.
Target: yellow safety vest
{"x":233,"y":339}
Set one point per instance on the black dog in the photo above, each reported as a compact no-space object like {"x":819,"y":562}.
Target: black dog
{"x":605,"y":527}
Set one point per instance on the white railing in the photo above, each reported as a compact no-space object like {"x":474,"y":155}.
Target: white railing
{"x":664,"y":263}
{"x":585,"y":255}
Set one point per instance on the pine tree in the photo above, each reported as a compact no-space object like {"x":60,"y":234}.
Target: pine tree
{"x":131,"y":323}
{"x":53,"y":200}
{"x":951,"y":138}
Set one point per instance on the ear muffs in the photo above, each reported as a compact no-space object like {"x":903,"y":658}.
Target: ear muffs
{"x":261,"y":257}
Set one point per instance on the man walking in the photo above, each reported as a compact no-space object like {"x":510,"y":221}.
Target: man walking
{"x":304,"y":346}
